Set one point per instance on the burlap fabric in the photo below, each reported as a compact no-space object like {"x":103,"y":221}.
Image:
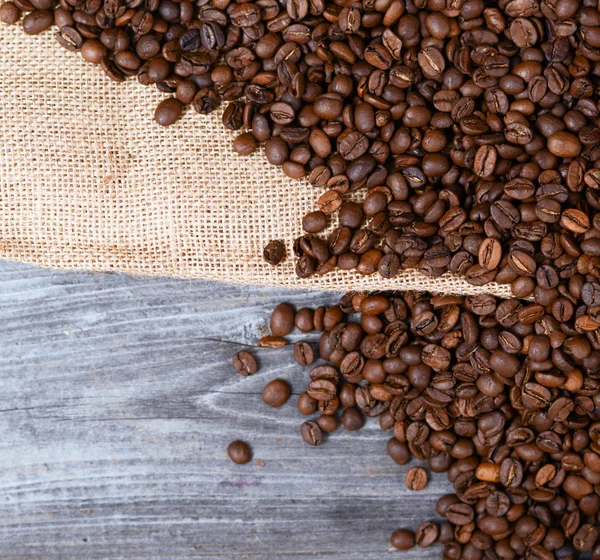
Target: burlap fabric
{"x":88,"y":181}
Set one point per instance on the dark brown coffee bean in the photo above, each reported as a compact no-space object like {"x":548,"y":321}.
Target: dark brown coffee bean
{"x":304,"y":353}
{"x":352,"y":419}
{"x":274,"y":251}
{"x":402,"y":539}
{"x":9,"y":13}
{"x":311,"y":433}
{"x":168,"y":112}
{"x":276,"y":393}
{"x":306,"y":404}
{"x":244,"y":363}
{"x":427,"y":533}
{"x":564,"y":144}
{"x":37,"y":21}
{"x":239,"y":452}
{"x":485,"y":161}
{"x":282,"y":319}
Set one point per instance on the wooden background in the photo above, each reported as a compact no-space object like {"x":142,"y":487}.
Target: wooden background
{"x":118,"y":402}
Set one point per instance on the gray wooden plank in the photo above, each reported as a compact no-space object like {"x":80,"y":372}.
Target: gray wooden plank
{"x":118,"y":402}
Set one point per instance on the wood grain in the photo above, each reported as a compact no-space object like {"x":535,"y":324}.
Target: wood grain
{"x":118,"y":402}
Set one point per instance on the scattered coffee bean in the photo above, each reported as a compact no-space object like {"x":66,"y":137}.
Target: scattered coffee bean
{"x":244,"y":363}
{"x":403,"y":539}
{"x":274,"y":252}
{"x":304,"y":353}
{"x":276,"y":393}
{"x":272,"y":342}
{"x":239,"y":452}
{"x":501,"y":395}
{"x":311,"y":433}
{"x":416,"y":479}
{"x":282,"y":320}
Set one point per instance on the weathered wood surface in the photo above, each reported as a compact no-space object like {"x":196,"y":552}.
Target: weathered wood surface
{"x":118,"y":402}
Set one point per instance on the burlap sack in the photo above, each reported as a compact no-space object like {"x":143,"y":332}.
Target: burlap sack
{"x":88,"y":181}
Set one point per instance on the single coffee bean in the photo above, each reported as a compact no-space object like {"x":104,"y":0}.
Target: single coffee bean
{"x":416,"y":478}
{"x":168,"y":112}
{"x":274,"y":252}
{"x":311,"y":433}
{"x":244,"y":144}
{"x":37,"y":21}
{"x":306,"y":404}
{"x":352,"y":419}
{"x":282,"y":320}
{"x":276,"y":393}
{"x":9,"y":13}
{"x":244,"y":363}
{"x":272,"y":342}
{"x":402,"y":539}
{"x":427,"y":533}
{"x":304,"y":353}
{"x":490,"y":253}
{"x":239,"y":452}
{"x":564,"y":144}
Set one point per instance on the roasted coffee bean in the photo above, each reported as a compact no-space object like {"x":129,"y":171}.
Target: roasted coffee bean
{"x":274,"y":251}
{"x":465,"y":369}
{"x":352,"y":419}
{"x":304,"y":353}
{"x":416,"y":478}
{"x":402,"y":539}
{"x":239,"y":452}
{"x":272,"y":342}
{"x":168,"y":112}
{"x":427,"y":533}
{"x":244,"y":363}
{"x":276,"y":393}
{"x":37,"y":21}
{"x":9,"y":13}
{"x":311,"y":433}
{"x":282,"y":320}
{"x":306,"y":404}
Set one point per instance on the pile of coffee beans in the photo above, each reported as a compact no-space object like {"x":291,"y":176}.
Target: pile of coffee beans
{"x":470,"y":127}
{"x":503,"y":398}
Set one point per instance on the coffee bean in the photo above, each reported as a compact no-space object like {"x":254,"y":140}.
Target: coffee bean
{"x":9,"y":13}
{"x":431,"y":62}
{"x":564,"y":144}
{"x":282,"y":319}
{"x":402,"y":539}
{"x":304,"y":353}
{"x":168,"y":112}
{"x":239,"y":452}
{"x":311,"y":433}
{"x":244,"y":144}
{"x":276,"y":393}
{"x":306,"y":404}
{"x":459,"y":514}
{"x":274,"y":251}
{"x":490,"y":253}
{"x":37,"y":21}
{"x":427,"y":533}
{"x":272,"y":342}
{"x":314,"y":222}
{"x":352,"y":419}
{"x":485,"y":161}
{"x":244,"y":363}
{"x":416,"y":478}
{"x":575,"y":221}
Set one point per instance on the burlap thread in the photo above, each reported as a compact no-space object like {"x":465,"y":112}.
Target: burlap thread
{"x":88,"y":181}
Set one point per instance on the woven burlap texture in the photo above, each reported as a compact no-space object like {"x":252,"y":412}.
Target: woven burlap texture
{"x":89,"y":181}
